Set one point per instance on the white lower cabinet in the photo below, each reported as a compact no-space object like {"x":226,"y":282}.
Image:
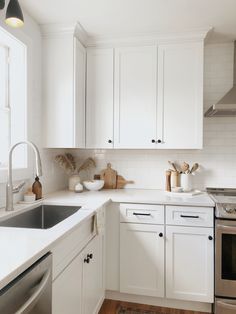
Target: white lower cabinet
{"x":142,"y":259}
{"x":189,"y":263}
{"x":67,"y":289}
{"x":79,"y":289}
{"x":93,"y":290}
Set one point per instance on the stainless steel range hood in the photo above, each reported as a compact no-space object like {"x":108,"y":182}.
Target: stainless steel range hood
{"x":226,"y":107}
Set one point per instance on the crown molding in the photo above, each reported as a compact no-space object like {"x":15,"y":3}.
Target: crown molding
{"x":77,"y":30}
{"x":54,"y":30}
{"x":48,"y":30}
{"x":81,"y":34}
{"x":191,"y":35}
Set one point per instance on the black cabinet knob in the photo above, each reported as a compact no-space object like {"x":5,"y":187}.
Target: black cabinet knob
{"x":153,"y":141}
{"x":109,"y":141}
{"x":161,"y":235}
{"x":159,"y":141}
{"x":210,"y":238}
{"x":86,"y":260}
{"x":90,"y":256}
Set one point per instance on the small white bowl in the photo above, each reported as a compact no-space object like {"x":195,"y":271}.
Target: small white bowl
{"x":29,"y":198}
{"x":94,"y":185}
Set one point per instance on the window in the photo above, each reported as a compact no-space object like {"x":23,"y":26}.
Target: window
{"x":12,"y":99}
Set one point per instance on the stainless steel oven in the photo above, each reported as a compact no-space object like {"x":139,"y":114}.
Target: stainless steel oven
{"x":225,"y":261}
{"x":225,"y":266}
{"x":225,"y":249}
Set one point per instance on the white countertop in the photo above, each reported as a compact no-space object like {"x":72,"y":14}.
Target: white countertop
{"x":90,"y":198}
{"x":21,"y":247}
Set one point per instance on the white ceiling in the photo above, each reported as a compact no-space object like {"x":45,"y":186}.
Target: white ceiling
{"x":126,"y":17}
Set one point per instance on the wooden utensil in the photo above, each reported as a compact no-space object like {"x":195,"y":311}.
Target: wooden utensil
{"x":168,"y":182}
{"x":121,"y":182}
{"x":109,"y":177}
{"x":173,"y":165}
{"x":185,"y":168}
{"x":194,"y":167}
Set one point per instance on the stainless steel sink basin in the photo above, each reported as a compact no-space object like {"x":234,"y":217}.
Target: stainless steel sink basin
{"x":41,"y":217}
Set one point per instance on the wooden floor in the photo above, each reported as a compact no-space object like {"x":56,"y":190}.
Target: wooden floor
{"x":110,"y":307}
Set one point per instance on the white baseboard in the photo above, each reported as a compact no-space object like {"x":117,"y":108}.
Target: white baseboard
{"x":99,"y":305}
{"x":185,"y":305}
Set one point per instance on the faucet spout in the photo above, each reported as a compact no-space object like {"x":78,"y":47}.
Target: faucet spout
{"x":9,"y":187}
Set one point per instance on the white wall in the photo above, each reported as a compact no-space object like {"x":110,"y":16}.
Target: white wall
{"x":53,"y":178}
{"x":217,"y":159}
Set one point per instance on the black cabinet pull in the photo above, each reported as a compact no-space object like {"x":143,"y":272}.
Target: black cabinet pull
{"x":109,"y":141}
{"x":160,"y":234}
{"x":86,"y":260}
{"x":189,"y":216}
{"x":90,"y":256}
{"x":210,"y":238}
{"x":141,"y":214}
{"x":153,"y":141}
{"x":159,"y":141}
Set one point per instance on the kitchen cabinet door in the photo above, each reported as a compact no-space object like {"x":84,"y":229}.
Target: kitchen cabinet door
{"x":93,"y":273}
{"x":99,"y":112}
{"x":67,"y":289}
{"x":180,"y":96}
{"x":135,"y":118}
{"x":189,"y":263}
{"x":64,"y":65}
{"x":142,"y":259}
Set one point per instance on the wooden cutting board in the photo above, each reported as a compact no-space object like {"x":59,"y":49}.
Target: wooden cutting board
{"x":121,"y":182}
{"x":109,"y":176}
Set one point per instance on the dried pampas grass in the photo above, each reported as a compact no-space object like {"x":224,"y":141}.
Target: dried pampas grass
{"x":68,"y":164}
{"x":88,"y":164}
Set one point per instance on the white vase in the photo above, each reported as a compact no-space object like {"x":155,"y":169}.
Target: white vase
{"x":73,"y":181}
{"x":186,"y":182}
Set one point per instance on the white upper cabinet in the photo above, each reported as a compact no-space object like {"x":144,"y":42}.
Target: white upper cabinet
{"x":64,"y":65}
{"x":99,"y":104}
{"x":180,"y":95}
{"x":135,"y":116}
{"x":146,"y":94}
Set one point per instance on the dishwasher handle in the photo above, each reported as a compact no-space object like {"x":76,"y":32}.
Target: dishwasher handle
{"x":30,"y":303}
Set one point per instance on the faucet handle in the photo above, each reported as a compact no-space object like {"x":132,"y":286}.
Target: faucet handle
{"x":17,"y":188}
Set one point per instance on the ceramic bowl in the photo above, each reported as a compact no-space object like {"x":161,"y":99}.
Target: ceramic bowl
{"x":94,"y":185}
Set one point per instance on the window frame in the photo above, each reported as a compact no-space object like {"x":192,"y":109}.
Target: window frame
{"x":25,"y":172}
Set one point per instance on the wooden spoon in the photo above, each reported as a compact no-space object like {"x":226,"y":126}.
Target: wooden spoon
{"x":185,"y":168}
{"x":194,"y":167}
{"x":173,"y":165}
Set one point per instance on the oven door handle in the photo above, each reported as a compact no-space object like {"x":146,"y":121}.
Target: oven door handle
{"x":224,"y":227}
{"x":30,"y":303}
{"x":226,"y":305}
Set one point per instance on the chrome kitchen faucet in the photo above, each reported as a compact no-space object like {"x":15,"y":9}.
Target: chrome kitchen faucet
{"x":10,"y":190}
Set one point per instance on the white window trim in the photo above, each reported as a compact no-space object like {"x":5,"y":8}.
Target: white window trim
{"x":27,"y":172}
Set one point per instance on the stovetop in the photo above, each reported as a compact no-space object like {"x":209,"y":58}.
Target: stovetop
{"x":225,"y":199}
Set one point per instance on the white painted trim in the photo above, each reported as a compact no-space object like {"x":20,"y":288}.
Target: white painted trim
{"x":76,"y":29}
{"x":99,"y":305}
{"x":150,"y":38}
{"x":49,"y":30}
{"x":81,"y":34}
{"x":180,"y":36}
{"x":185,"y":305}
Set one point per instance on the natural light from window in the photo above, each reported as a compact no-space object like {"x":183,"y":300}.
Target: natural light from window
{"x":13,"y":105}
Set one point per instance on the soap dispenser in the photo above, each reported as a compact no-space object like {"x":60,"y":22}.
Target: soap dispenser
{"x":37,"y":188}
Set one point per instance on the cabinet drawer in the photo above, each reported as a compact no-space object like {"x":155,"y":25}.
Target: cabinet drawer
{"x":190,"y":216}
{"x":141,"y":213}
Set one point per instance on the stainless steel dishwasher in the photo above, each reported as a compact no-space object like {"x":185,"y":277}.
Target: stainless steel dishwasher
{"x":30,"y":292}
